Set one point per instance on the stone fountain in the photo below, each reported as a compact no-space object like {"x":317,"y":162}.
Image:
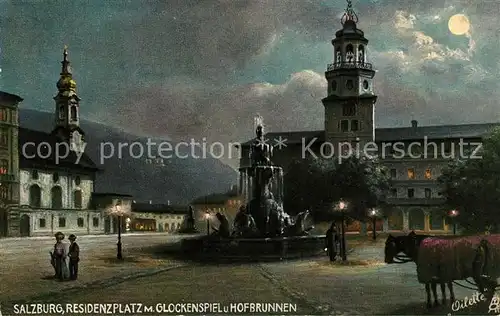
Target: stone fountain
{"x":261,"y":228}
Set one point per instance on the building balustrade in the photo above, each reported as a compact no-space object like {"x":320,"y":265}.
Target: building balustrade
{"x":415,"y":201}
{"x":349,"y":65}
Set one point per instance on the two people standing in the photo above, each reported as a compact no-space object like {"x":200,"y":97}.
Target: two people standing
{"x":332,"y":242}
{"x":65,"y":262}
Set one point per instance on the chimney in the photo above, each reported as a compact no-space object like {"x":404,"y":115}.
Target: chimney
{"x":414,"y":123}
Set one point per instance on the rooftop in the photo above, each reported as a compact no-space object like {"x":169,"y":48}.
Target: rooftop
{"x":47,"y":144}
{"x":394,"y":134}
{"x":111,"y":194}
{"x":159,"y":208}
{"x":12,"y":98}
{"x":215,"y":199}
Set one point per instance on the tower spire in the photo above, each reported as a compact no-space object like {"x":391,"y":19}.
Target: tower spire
{"x":66,"y":82}
{"x":349,"y":14}
{"x":65,"y":63}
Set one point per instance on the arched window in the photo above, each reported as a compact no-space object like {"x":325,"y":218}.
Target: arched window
{"x":35,"y":196}
{"x":349,"y":55}
{"x":361,"y":54}
{"x":61,"y":112}
{"x":4,"y":192}
{"x":74,"y":115}
{"x":56,"y":194}
{"x":80,"y":222}
{"x":338,"y":55}
{"x":349,"y":109}
{"x":77,"y":198}
{"x":167,"y":227}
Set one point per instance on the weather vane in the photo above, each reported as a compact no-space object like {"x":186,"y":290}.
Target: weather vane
{"x":349,"y":14}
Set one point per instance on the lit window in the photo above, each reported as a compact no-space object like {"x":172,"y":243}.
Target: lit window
{"x":3,"y":115}
{"x":4,"y":166}
{"x":428,"y":174}
{"x":411,"y":173}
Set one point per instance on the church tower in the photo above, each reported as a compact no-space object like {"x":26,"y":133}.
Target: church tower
{"x":67,"y":114}
{"x":350,"y":104}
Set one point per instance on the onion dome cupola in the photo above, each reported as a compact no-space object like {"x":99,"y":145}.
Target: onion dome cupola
{"x":66,"y":82}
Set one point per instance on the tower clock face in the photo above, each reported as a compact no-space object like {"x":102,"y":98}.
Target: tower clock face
{"x":349,"y":84}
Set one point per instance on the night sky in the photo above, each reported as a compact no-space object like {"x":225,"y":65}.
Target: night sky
{"x":182,"y":68}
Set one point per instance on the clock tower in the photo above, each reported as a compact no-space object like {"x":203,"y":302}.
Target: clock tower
{"x":67,"y":114}
{"x":350,"y":104}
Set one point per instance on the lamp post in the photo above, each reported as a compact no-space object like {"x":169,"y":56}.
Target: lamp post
{"x":207,"y":217}
{"x":453,"y":215}
{"x":119,"y":254}
{"x":373,"y":215}
{"x":341,"y":207}
{"x":119,"y":210}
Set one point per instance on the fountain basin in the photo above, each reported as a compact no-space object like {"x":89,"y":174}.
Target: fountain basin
{"x":277,"y":248}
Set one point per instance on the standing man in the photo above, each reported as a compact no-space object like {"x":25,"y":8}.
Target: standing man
{"x":74,"y":257}
{"x":332,"y":240}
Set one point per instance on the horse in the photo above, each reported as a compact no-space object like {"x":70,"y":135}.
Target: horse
{"x":412,"y":246}
{"x":460,"y":258}
{"x":408,"y":245}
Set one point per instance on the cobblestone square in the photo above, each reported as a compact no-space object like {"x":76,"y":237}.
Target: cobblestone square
{"x":366,"y":286}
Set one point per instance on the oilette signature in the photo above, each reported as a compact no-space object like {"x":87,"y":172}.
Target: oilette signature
{"x":476,"y":298}
{"x":468,"y":302}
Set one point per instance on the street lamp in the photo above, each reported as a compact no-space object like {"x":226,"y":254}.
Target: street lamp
{"x":453,"y":215}
{"x":342,"y":206}
{"x":119,"y":254}
{"x":207,"y":217}
{"x":373,"y":215}
{"x":119,"y":210}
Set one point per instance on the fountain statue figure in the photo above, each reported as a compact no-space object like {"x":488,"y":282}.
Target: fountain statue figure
{"x":264,"y":212}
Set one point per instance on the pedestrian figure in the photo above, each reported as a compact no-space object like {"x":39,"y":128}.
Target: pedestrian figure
{"x":74,"y":257}
{"x":59,"y":257}
{"x":332,"y":241}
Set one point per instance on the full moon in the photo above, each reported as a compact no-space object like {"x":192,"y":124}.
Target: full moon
{"x":459,"y":24}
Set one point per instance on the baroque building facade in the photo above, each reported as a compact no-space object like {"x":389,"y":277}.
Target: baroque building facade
{"x":49,"y":180}
{"x":414,"y":155}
